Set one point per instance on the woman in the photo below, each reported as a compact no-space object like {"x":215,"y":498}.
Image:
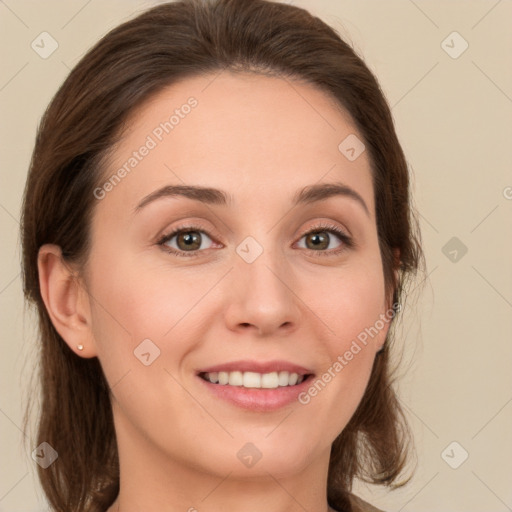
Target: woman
{"x":216,"y":235}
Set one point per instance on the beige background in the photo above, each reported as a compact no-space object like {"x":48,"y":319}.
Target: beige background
{"x":454,"y":118}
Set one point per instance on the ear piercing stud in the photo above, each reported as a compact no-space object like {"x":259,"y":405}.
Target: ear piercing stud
{"x":80,"y":347}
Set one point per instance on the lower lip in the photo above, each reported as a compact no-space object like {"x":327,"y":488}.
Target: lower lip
{"x":258,"y":399}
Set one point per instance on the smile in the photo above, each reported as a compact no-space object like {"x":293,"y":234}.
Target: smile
{"x":270,"y":380}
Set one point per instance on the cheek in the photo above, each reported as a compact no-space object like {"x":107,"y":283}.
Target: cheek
{"x":136,"y":300}
{"x":349,"y":301}
{"x":126,"y":312}
{"x":350,"y":304}
{"x":132,"y":312}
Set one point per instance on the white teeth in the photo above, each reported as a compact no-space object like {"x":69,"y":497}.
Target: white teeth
{"x":252,"y":380}
{"x":283,"y":378}
{"x":235,"y":379}
{"x":255,"y":380}
{"x":270,"y":380}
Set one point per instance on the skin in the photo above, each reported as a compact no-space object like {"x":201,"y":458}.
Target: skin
{"x":260,"y":139}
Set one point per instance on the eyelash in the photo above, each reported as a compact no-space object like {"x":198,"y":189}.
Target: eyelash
{"x":347,"y":242}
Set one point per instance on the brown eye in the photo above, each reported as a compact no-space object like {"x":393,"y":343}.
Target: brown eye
{"x":185,"y":240}
{"x":320,"y":237}
{"x":188,"y":240}
{"x":319,"y":240}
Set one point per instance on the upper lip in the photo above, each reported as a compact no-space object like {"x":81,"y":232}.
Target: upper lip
{"x":258,"y":367}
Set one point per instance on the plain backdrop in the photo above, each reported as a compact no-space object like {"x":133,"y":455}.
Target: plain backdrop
{"x":445,"y":68}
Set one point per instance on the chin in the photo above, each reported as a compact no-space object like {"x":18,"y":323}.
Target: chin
{"x":249,"y":459}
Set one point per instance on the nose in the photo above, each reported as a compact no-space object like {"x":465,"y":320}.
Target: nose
{"x":263,"y":296}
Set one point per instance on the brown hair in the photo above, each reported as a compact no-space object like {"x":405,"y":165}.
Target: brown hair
{"x":130,"y":64}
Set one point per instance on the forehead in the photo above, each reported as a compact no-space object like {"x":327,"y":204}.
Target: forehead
{"x":254,"y":136}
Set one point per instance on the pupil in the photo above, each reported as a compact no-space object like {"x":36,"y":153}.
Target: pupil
{"x":317,"y":239}
{"x":190,"y":238}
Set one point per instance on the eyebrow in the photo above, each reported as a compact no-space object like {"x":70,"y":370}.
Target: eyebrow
{"x":213,"y":196}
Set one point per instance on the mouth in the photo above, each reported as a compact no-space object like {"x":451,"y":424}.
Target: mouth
{"x":255,"y":380}
{"x":256,"y":386}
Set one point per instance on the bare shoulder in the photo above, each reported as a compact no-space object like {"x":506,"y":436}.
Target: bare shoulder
{"x":359,"y":505}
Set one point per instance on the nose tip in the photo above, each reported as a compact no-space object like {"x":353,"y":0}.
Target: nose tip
{"x":262,"y":299}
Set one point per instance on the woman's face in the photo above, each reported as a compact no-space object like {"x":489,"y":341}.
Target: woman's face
{"x":244,"y":285}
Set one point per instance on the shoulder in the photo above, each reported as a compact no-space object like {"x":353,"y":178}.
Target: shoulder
{"x":359,"y":505}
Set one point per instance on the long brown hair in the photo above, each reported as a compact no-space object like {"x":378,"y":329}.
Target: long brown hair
{"x":126,"y":67}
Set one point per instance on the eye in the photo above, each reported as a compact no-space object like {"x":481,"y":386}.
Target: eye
{"x":188,"y":240}
{"x":318,"y":240}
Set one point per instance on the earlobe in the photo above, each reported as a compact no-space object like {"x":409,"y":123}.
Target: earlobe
{"x":66,"y":300}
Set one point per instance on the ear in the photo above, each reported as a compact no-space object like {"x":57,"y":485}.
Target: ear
{"x":66,"y":300}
